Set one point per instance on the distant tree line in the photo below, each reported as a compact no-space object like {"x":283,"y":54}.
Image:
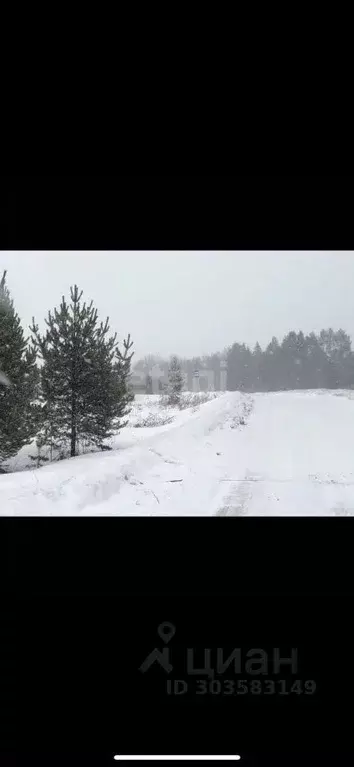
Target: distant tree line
{"x":298,"y":361}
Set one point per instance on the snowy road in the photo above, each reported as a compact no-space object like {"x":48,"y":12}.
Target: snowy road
{"x":295,"y":458}
{"x":277,"y":454}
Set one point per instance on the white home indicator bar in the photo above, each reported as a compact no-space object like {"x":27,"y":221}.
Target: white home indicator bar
{"x":175,"y":758}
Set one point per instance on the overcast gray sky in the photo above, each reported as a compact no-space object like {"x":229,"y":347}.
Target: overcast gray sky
{"x":191,"y":303}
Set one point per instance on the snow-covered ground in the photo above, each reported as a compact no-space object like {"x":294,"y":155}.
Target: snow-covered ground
{"x":146,"y":415}
{"x":286,"y":453}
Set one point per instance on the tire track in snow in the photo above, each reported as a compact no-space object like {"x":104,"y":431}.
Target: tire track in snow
{"x":237,"y":500}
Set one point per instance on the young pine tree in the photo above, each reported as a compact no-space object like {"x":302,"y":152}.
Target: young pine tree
{"x":19,"y":381}
{"x":84,"y":380}
{"x":110,"y":394}
{"x":175,"y":382}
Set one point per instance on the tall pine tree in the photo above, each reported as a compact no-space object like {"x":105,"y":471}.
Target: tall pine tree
{"x":19,"y":411}
{"x":84,"y":375}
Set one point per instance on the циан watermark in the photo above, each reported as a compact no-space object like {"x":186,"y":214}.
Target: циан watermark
{"x":255,"y":662}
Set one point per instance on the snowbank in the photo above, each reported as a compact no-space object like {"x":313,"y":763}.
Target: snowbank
{"x":146,"y":414}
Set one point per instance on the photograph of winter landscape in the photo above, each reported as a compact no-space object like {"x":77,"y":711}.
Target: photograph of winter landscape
{"x":176,"y":384}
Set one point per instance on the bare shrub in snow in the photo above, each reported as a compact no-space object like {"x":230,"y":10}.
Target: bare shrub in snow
{"x":193,"y":400}
{"x":153,"y":419}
